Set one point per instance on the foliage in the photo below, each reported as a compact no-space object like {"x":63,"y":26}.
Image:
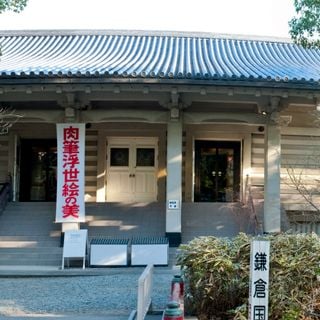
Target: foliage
{"x":12,"y":5}
{"x":305,"y":27}
{"x":217,"y":276}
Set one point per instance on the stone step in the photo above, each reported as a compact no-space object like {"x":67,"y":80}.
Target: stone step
{"x":29,"y":233}
{"x":29,"y":212}
{"x":13,"y":216}
{"x":29,"y":236}
{"x":33,"y":203}
{"x":29,"y":262}
{"x":25,"y":211}
{"x":29,"y":246}
{"x":32,"y":256}
{"x":37,"y":210}
{"x":32,"y":219}
{"x":35,"y":223}
{"x":52,"y":237}
{"x":24,"y":215}
{"x":20,"y":206}
{"x":6,"y":228}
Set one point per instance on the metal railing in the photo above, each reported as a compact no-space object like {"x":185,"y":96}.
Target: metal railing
{"x":305,"y":227}
{"x":145,"y":283}
{"x":304,"y":222}
{"x":5,"y":195}
{"x":249,"y":202}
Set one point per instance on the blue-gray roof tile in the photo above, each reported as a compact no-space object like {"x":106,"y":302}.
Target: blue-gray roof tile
{"x":156,"y":56}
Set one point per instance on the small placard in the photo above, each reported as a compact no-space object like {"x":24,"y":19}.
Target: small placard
{"x":173,"y":204}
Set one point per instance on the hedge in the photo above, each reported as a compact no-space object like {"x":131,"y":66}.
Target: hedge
{"x":216,"y":272}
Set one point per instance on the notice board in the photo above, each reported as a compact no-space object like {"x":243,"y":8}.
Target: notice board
{"x":75,"y":245}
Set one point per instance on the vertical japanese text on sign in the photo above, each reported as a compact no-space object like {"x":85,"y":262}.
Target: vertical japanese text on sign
{"x":259,"y":279}
{"x":70,"y":197}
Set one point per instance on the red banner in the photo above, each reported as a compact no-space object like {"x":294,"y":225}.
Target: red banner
{"x":70,"y":172}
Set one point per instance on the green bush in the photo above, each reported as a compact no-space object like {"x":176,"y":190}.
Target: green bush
{"x":216,"y":271}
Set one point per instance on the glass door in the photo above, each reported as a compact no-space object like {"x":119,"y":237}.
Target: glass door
{"x":217,"y":171}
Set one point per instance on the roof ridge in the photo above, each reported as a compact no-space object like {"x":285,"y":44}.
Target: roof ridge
{"x":185,"y":34}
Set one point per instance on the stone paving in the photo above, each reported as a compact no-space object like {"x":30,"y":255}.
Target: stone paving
{"x":95,"y":294}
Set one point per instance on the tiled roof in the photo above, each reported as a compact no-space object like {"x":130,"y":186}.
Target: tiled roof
{"x":142,"y":56}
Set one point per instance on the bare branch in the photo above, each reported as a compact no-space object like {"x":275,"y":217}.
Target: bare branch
{"x":8,"y":117}
{"x":307,"y":187}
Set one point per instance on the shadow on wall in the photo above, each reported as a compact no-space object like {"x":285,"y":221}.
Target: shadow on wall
{"x":219,"y":219}
{"x":125,"y":220}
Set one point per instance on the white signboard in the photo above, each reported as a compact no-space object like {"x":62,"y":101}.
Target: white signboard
{"x":70,"y":172}
{"x":173,"y":204}
{"x":259,"y":279}
{"x":75,"y":245}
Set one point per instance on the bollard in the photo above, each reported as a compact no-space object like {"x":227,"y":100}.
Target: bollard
{"x":177,"y":291}
{"x":173,"y":312}
{"x":177,"y":288}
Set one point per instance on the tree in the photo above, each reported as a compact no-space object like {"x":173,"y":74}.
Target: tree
{"x":305,"y":27}
{"x":12,"y":5}
{"x":9,"y":116}
{"x":303,"y":183}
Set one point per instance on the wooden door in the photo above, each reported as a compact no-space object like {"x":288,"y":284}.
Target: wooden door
{"x":132,"y":169}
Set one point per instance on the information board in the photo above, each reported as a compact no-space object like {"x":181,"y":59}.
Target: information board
{"x":75,"y":245}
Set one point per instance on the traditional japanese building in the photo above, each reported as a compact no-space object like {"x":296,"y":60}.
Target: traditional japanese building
{"x":197,"y":131}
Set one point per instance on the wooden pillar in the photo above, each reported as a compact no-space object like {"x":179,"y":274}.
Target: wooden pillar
{"x":174,"y":181}
{"x":272,"y":164}
{"x":101,"y":167}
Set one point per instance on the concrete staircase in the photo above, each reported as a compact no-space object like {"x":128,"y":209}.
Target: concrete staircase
{"x":125,"y":220}
{"x":114,"y":220}
{"x":28,"y":234}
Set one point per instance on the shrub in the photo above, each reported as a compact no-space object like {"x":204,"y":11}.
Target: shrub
{"x":216,"y":271}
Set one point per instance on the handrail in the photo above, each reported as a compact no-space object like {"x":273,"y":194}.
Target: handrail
{"x":248,"y":201}
{"x":145,"y":283}
{"x":5,"y":195}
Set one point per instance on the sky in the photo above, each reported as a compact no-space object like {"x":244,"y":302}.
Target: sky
{"x":244,"y":17}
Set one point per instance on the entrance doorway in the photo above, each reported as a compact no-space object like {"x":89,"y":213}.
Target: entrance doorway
{"x":38,"y":170}
{"x":217,"y":171}
{"x":132,"y":165}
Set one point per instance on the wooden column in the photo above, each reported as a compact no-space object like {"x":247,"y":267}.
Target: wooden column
{"x":174,"y":181}
{"x":272,"y":211}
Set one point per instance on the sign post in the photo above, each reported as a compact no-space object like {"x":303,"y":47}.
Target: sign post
{"x":259,"y":280}
{"x":75,"y":246}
